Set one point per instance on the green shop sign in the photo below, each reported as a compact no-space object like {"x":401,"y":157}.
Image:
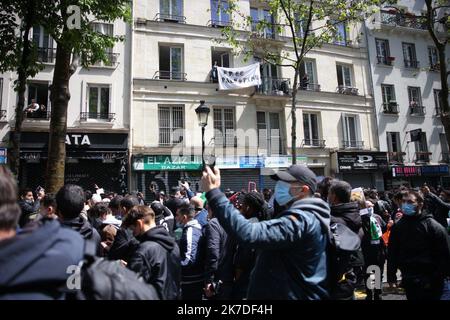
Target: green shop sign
{"x":149,"y":163}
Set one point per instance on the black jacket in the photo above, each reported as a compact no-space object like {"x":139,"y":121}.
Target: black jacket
{"x":33,"y":265}
{"x":27,"y":210}
{"x":157,"y":259}
{"x":418,"y":245}
{"x":124,"y":245}
{"x":347,"y":214}
{"x":438,"y":208}
{"x":173,"y":204}
{"x":219,"y":253}
{"x":84,"y":228}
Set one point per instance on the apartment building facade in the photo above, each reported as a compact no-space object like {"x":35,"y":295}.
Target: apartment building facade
{"x":98,"y":116}
{"x":249,"y":130}
{"x":406,"y":82}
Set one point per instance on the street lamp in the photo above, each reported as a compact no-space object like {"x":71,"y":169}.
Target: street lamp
{"x":202,"y":112}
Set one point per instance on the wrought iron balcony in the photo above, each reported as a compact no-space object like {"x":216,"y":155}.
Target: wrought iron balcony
{"x":416,"y":110}
{"x":352,"y":144}
{"x":46,"y":55}
{"x":167,"y":75}
{"x":309,"y":86}
{"x":398,"y":19}
{"x":347,"y":90}
{"x":412,"y":64}
{"x":390,"y":108}
{"x":164,"y":17}
{"x":2,"y":114}
{"x":396,"y":157}
{"x":85,"y":116}
{"x":112,"y":60}
{"x":218,"y":24}
{"x":271,"y":31}
{"x":38,"y":115}
{"x":388,"y":61}
{"x":275,"y":87}
{"x":423,"y":157}
{"x":317,"y":143}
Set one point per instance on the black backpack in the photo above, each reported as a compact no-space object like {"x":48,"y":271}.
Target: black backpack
{"x":103,"y":279}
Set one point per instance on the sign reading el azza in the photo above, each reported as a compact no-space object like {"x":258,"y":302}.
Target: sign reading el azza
{"x":362,"y":161}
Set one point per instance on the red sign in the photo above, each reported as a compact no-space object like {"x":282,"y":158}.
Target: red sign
{"x":405,"y":171}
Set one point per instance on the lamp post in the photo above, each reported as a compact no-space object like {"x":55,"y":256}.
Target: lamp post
{"x":202,"y":112}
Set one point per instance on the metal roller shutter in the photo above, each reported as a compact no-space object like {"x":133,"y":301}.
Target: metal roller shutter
{"x":238,"y":179}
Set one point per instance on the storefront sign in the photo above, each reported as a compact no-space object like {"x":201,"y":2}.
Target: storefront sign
{"x":251,"y":162}
{"x":411,"y":171}
{"x":167,"y":162}
{"x":362,"y":161}
{"x":227,"y":163}
{"x":3,"y":158}
{"x":283,"y":161}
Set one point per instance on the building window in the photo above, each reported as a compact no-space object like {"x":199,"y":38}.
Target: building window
{"x":422,"y":154}
{"x":269,"y":132}
{"x":106,"y":29}
{"x":383,"y":53}
{"x":308,"y":78}
{"x":433,"y":59}
{"x":394,"y":147}
{"x":311,"y":130}
{"x":219,"y":14}
{"x":351,"y":132}
{"x":341,"y":34}
{"x":409,"y":55}
{"x":437,"y":101}
{"x":171,"y":124}
{"x":415,"y":101}
{"x":171,"y":10}
{"x":344,"y":77}
{"x":44,"y":44}
{"x":389,"y":103}
{"x":38,"y":100}
{"x":171,"y":63}
{"x":258,"y":15}
{"x":99,"y":100}
{"x":300,"y":26}
{"x":224,"y":128}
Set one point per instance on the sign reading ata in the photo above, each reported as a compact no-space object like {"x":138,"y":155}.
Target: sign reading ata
{"x":77,"y":140}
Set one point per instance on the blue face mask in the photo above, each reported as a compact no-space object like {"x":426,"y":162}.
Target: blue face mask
{"x":409,"y":209}
{"x":282,"y":194}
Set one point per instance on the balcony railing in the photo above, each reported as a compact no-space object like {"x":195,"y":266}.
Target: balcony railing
{"x":423,"y":157}
{"x":417,"y":110}
{"x":218,"y":24}
{"x":352,"y":144}
{"x":113,"y":60}
{"x":2,"y":114}
{"x":403,"y":20}
{"x":445,"y":157}
{"x":317,"y":143}
{"x":412,"y":64}
{"x":396,"y":157}
{"x":309,"y":86}
{"x":390,"y":108}
{"x":167,"y":75}
{"x":46,"y":55}
{"x":163,"y":17}
{"x":435,"y":67}
{"x":38,"y":115}
{"x":347,"y":90}
{"x":271,"y":31}
{"x":388,"y":61}
{"x":275,"y":87}
{"x":84,"y":116}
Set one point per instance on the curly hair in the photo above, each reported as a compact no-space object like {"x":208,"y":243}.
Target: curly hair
{"x":259,"y":206}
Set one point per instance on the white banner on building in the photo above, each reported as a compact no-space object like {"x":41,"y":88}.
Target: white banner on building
{"x":237,"y":78}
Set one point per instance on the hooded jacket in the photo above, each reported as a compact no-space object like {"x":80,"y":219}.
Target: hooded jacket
{"x":291,"y":263}
{"x":157,"y":259}
{"x":419,"y":246}
{"x":34,"y":263}
{"x":347,"y":214}
{"x":86,"y":230}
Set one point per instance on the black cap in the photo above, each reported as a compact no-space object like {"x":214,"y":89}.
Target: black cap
{"x":298,"y":173}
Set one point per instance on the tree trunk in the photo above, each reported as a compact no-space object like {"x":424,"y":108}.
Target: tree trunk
{"x":59,"y":96}
{"x":22,"y":71}
{"x":294,"y":118}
